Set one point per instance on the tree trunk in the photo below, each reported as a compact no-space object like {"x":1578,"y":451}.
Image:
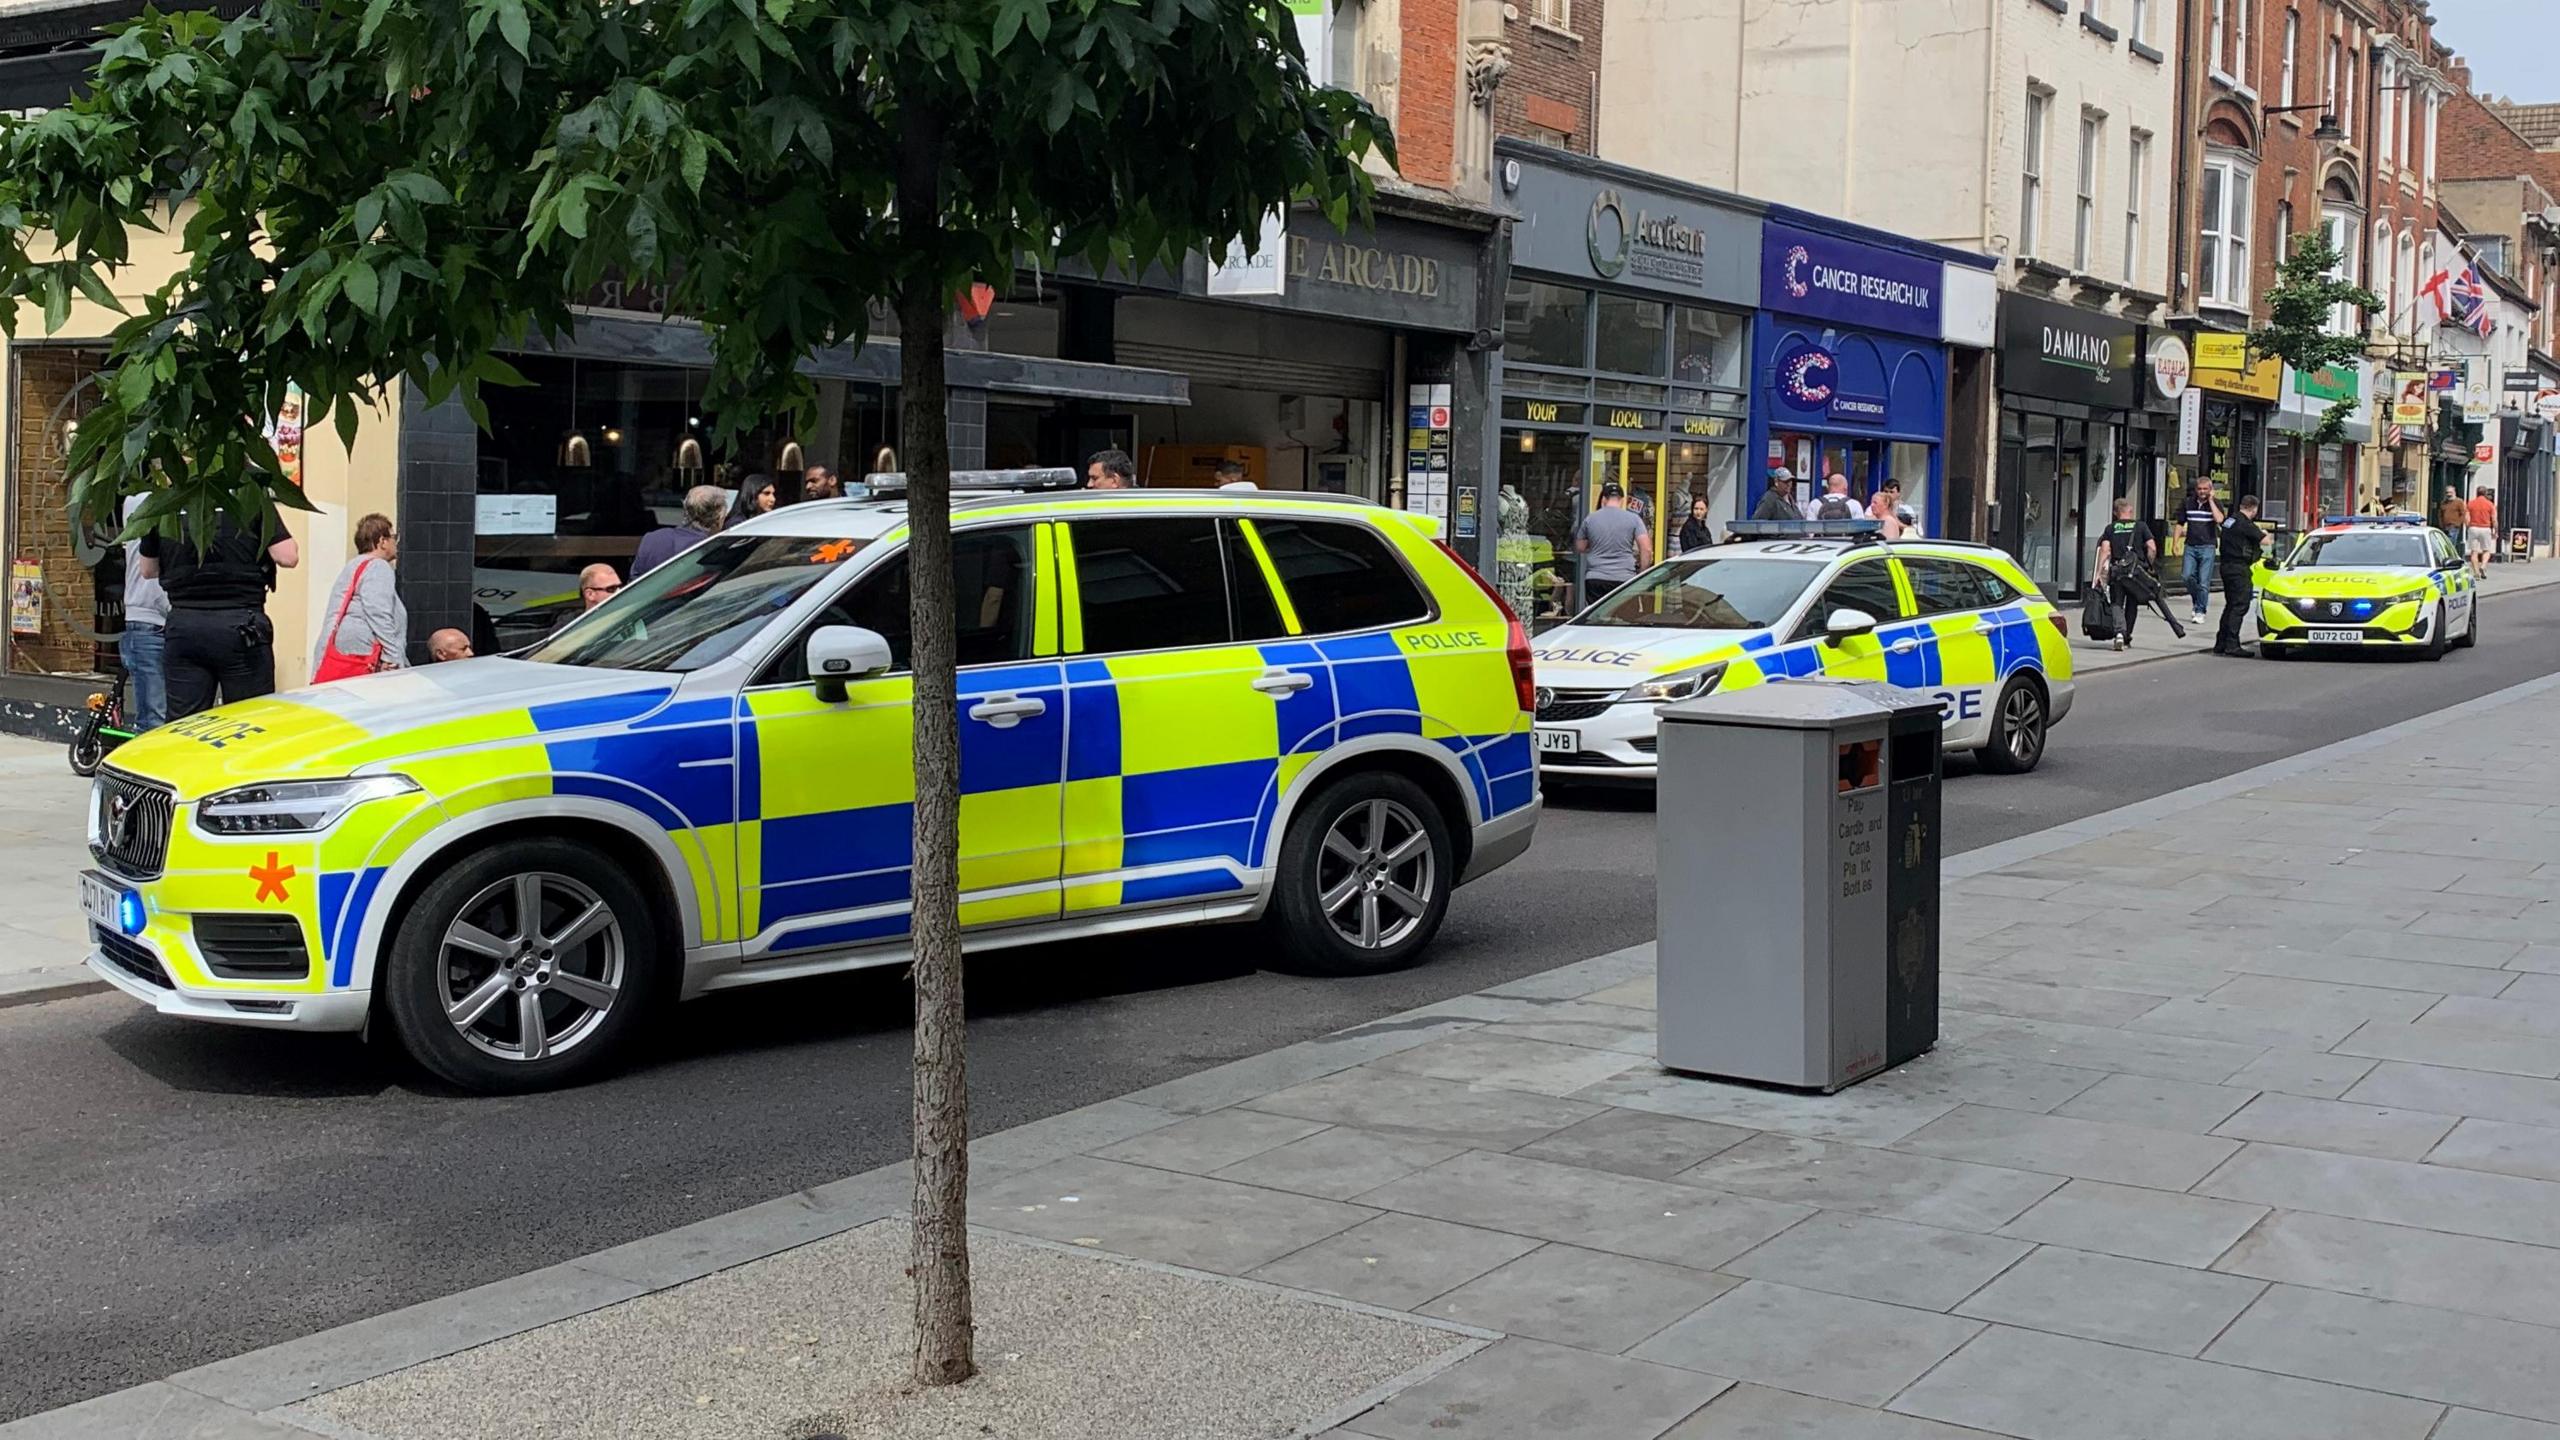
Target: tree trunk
{"x":940,"y":1259}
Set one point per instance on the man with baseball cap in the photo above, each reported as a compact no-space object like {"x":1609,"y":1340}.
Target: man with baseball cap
{"x":1778,"y":502}
{"x":1613,"y":543}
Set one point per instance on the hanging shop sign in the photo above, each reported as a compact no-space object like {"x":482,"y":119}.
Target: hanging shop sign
{"x":2171,"y":368}
{"x":1827,"y":277}
{"x":1603,"y":225}
{"x":2409,"y":405}
{"x":2329,"y":383}
{"x":2062,"y":352}
{"x":2261,"y":381}
{"x":2220,"y":350}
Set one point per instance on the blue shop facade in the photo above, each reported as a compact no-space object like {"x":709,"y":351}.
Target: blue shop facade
{"x":1850,"y":357}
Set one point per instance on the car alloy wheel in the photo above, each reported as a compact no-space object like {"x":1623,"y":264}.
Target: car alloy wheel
{"x":1376,"y":874}
{"x":531,"y":966}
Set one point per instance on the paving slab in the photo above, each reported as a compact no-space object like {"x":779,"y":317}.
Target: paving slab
{"x":1339,"y":1162}
{"x":2207,"y":1018}
{"x":2338,"y":1125}
{"x":2475,"y":1425}
{"x":1434,"y":1109}
{"x":2513,"y":1015}
{"x":2106,"y":1297}
{"x":1398,"y":1261}
{"x":2415,"y":1350}
{"x":1585,"y":1298}
{"x":2390,"y":944}
{"x":1895,"y":1261}
{"x":2160,"y":1104}
{"x":2136,"y":1223}
{"x":1862,"y":1114}
{"x":1510,"y":1062}
{"x":1954,"y":1075}
{"x":2454,"y":1048}
{"x":157,"y":1411}
{"x":2395,"y":1192}
{"x":1530,"y":1390}
{"x":2521,"y":1099}
{"x":1919,"y":1188}
{"x":2093,"y":1047}
{"x":2394,"y":1262}
{"x":1637,"y":1142}
{"x":1756,"y":1412}
{"x":1204,"y":1144}
{"x":2055,"y":1387}
{"x":1835,"y":1346}
{"x":2303,"y":1072}
{"x":1161,"y":1215}
{"x":2085,"y":1149}
{"x":2372,"y":1002}
{"x":2370,"y":970}
{"x":2037,"y":1000}
{"x":1625,"y":1214}
{"x":2532,"y":1151}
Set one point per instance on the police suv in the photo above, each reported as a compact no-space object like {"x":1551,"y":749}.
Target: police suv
{"x":1806,"y":598}
{"x":1173,"y":707}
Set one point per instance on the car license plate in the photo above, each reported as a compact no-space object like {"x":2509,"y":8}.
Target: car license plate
{"x":2336,"y":637}
{"x":98,"y":900}
{"x":1558,"y":742}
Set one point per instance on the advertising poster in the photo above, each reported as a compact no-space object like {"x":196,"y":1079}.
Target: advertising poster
{"x":2409,"y":400}
{"x":284,"y":432}
{"x":26,"y":597}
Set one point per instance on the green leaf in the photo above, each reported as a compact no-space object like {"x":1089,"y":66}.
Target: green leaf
{"x":363,"y":288}
{"x":368,"y":218}
{"x":515,"y":28}
{"x":57,"y":301}
{"x":96,"y":289}
{"x":573,"y":208}
{"x":387,"y":299}
{"x":1009,"y":15}
{"x":1062,"y":102}
{"x":347,"y":422}
{"x":696,"y":162}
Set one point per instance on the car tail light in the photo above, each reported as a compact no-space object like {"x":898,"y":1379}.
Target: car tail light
{"x":1524,"y":678}
{"x":2061,"y":626}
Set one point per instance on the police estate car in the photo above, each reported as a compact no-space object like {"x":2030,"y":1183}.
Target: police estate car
{"x":1824,"y":598}
{"x":1174,"y":708}
{"x":2381,"y":581}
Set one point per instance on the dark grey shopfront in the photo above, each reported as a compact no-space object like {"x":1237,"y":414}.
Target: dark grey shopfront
{"x":2071,"y":433}
{"x":1626,"y":339}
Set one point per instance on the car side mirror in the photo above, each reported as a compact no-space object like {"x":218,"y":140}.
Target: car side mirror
{"x":840,"y":653}
{"x":1846,"y":625}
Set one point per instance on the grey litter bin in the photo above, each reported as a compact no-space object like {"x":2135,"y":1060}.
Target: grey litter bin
{"x":1797,"y":902}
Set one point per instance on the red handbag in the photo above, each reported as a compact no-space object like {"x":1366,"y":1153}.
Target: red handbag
{"x":337,"y":664}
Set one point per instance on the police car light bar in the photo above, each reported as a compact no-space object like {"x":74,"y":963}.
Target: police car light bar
{"x":1051,"y":477}
{"x":2373,"y":520}
{"x":1805,"y":529}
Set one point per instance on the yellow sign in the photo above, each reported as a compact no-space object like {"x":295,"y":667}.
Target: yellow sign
{"x":2262,"y":381}
{"x":1627,"y":419}
{"x":1542,"y":411}
{"x":2216,"y":351}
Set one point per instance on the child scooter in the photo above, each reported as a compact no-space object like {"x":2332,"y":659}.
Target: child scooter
{"x":105,"y":728}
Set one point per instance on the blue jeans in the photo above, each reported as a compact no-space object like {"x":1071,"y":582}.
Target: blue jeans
{"x":145,"y":650}
{"x":2198,"y":573}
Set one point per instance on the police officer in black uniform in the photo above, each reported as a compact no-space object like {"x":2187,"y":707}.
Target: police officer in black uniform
{"x":2242,"y":541}
{"x":220,"y":642}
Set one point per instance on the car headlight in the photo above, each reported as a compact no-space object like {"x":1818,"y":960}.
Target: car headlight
{"x":2305,"y":604}
{"x":1680,"y":685}
{"x":294,"y":807}
{"x":2410,"y":597}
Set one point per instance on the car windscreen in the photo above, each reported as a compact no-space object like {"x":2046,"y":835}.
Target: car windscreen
{"x":695,"y":609}
{"x":2360,"y":547}
{"x":1715,"y":592}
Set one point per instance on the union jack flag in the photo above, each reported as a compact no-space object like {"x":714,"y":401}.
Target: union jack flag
{"x":2471,"y":302}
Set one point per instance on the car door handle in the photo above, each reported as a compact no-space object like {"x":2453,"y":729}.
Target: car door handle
{"x":1905,"y":646}
{"x":1282,"y":683}
{"x":1986,"y":627}
{"x":1006,"y":711}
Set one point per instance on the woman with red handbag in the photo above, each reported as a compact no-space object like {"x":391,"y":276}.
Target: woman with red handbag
{"x":368,"y":627}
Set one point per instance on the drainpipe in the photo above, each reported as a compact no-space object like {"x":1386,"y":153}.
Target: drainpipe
{"x":2179,"y":156}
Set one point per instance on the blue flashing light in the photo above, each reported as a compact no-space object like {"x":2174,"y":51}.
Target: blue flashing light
{"x":129,"y":915}
{"x":2363,"y":607}
{"x":2373,"y":520}
{"x":1859,"y":529}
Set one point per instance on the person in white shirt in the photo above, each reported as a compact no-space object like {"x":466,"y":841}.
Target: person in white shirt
{"x":144,"y":646}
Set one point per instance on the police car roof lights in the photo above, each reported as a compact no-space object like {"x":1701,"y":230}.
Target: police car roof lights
{"x":1859,"y":529}
{"x":887,"y":483}
{"x":2373,"y":520}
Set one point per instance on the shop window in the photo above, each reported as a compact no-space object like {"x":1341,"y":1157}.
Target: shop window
{"x":1908,"y":462}
{"x":1340,"y":577}
{"x":1707,"y":347}
{"x":1545,"y":324}
{"x":1541,"y":500}
{"x":1151,"y":584}
{"x":66,"y":579}
{"x":1712,"y":473}
{"x":1630,"y":336}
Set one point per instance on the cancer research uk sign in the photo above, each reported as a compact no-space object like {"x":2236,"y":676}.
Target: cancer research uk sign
{"x":1866,"y":287}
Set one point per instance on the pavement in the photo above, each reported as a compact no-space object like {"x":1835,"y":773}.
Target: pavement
{"x":2152,"y":640}
{"x":43,"y":844}
{"x":2244,"y":1122}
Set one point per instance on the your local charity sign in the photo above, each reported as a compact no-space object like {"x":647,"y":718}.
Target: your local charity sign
{"x":1829,"y":278}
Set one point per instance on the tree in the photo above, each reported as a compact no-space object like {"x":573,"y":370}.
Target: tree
{"x":2307,"y":294}
{"x":373,"y":189}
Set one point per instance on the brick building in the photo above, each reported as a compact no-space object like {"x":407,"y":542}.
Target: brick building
{"x":1552,"y":92}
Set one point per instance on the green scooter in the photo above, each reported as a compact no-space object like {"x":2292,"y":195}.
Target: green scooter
{"x":105,"y":728}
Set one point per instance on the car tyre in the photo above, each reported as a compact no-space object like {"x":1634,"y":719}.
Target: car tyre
{"x":2471,"y":632}
{"x":2268,"y":651}
{"x":2438,"y":641}
{"x":2020,"y":722}
{"x":584,"y":976}
{"x":1377,"y":847}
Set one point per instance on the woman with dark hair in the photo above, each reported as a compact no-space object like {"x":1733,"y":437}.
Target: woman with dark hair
{"x":1695,"y":532}
{"x":755,"y":497}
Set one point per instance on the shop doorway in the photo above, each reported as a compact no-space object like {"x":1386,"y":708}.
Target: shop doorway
{"x":1639,"y":468}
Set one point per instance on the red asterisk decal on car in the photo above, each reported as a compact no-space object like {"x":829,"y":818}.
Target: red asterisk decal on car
{"x":271,"y":877}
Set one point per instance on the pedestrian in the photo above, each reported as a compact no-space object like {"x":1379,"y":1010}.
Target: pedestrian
{"x":819,"y":482}
{"x":597,"y":584}
{"x":2123,"y":547}
{"x":1835,"y":503}
{"x":144,"y":646}
{"x":703,"y":505}
{"x":1695,"y":533}
{"x":368,"y":626}
{"x":1885,"y":508}
{"x":756,"y":496}
{"x":448,"y":644}
{"x":222,"y":646}
{"x":1227,"y":474}
{"x":2241,"y":542}
{"x":1778,"y":502}
{"x":1910,"y":519}
{"x":1613,"y":543}
{"x":2203,"y":518}
{"x":2483,"y":534}
{"x":1110,"y":470}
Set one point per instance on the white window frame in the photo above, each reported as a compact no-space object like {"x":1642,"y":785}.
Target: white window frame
{"x":2386,"y":142}
{"x":2137,"y":165}
{"x":2039,"y":126}
{"x":2084,"y":211}
{"x":2435,"y":114}
{"x":2410,"y":279}
{"x":2340,"y":229}
{"x":2292,"y":42}
{"x":2213,"y":40}
{"x":2378,"y":261}
{"x":1555,"y":14}
{"x":2242,"y":67}
{"x":2226,"y":234}
{"x":2347,"y":100}
{"x":2137,"y":22}
{"x":2329,"y":76}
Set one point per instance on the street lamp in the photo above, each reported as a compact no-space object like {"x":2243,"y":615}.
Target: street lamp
{"x":2326,"y":130}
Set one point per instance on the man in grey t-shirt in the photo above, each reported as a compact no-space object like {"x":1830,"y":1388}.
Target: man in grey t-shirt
{"x":1613,"y":543}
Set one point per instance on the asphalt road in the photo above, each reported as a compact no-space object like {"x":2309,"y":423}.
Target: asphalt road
{"x":173,"y":1194}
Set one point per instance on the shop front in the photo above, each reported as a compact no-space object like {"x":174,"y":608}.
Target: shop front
{"x":1849,"y":373}
{"x":2069,"y":387}
{"x":1626,"y":329}
{"x":2240,"y":395}
{"x":2318,"y":477}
